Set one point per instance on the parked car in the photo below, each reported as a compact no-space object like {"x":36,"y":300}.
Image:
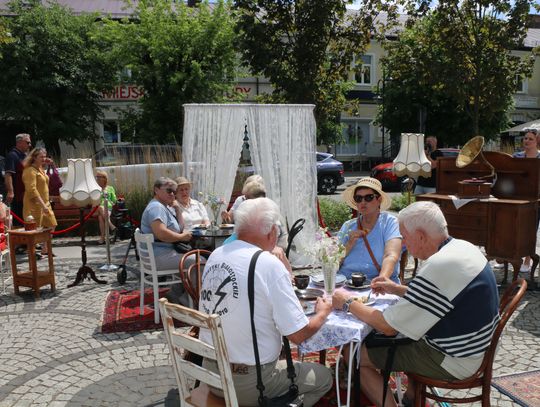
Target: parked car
{"x":390,"y":181}
{"x":329,"y":173}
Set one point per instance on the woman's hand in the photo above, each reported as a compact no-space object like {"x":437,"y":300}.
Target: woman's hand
{"x":226,"y":217}
{"x":185,"y":236}
{"x":354,"y":235}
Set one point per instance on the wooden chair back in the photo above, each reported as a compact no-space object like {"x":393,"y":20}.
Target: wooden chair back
{"x":482,"y":377}
{"x":191,"y":267}
{"x":186,"y":371}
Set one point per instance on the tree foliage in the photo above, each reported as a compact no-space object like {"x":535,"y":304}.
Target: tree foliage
{"x":456,"y":62}
{"x":306,"y":49}
{"x":179,"y":55}
{"x":52,"y":72}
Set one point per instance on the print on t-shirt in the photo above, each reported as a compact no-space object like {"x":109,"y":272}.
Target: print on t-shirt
{"x":220,"y":294}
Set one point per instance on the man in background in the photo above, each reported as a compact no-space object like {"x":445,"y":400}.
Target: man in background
{"x":13,"y":173}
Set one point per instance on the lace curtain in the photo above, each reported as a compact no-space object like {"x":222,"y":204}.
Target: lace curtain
{"x":282,"y":146}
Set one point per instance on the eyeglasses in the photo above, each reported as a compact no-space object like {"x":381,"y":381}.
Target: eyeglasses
{"x":169,"y":190}
{"x":279,"y":230}
{"x":368,"y":198}
{"x":28,"y":142}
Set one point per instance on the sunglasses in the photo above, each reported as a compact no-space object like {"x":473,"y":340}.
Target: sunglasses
{"x":169,"y":190}
{"x":368,"y":198}
{"x":280,"y":231}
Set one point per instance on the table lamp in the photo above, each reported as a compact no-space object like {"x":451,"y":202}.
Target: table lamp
{"x":411,"y":159}
{"x":82,"y":190}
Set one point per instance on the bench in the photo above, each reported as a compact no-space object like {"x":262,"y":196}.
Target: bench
{"x":68,"y":214}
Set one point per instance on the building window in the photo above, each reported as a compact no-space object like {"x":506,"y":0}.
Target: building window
{"x":355,"y":138}
{"x":363,"y":68}
{"x":111,"y":132}
{"x":521,"y":84}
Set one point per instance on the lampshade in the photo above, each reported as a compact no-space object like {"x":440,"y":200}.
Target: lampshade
{"x":411,"y":159}
{"x":80,"y":188}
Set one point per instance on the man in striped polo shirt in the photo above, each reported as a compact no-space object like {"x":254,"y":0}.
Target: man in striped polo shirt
{"x":450,"y":309}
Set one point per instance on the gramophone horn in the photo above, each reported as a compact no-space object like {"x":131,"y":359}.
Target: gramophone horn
{"x":470,"y":151}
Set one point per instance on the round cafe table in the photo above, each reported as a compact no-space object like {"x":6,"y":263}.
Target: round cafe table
{"x":215,"y":237}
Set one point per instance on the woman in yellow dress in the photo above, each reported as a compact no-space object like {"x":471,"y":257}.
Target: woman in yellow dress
{"x":36,"y":193}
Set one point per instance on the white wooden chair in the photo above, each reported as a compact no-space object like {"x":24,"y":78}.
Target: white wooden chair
{"x":149,"y":271}
{"x":186,"y":371}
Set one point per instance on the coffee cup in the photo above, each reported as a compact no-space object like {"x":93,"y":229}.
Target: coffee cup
{"x":301,"y":281}
{"x":358,"y":279}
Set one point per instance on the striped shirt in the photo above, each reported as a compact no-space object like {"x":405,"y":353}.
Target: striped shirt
{"x":453,"y":305}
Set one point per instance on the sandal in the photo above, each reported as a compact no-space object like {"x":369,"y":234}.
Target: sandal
{"x":100,"y":242}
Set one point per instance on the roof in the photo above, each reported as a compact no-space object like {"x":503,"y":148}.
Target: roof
{"x":116,"y":9}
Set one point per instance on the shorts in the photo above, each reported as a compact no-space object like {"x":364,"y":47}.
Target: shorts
{"x":416,"y":357}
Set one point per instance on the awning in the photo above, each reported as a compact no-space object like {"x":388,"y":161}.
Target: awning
{"x":535,"y":124}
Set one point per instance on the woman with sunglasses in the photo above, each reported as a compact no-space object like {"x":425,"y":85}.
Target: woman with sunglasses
{"x":193,"y":212}
{"x":161,"y":219}
{"x":372,"y":240}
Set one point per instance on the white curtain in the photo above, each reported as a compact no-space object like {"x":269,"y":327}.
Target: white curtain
{"x":282,"y":146}
{"x":212,"y":146}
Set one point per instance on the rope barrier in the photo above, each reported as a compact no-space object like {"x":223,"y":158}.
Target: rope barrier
{"x":59,"y":232}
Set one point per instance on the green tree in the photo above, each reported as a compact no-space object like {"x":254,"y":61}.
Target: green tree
{"x":179,"y":55}
{"x":306,"y":48}
{"x":52,"y":73}
{"x":456,"y":63}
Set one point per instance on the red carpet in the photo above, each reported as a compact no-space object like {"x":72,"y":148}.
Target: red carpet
{"x":523,"y":388}
{"x":121,"y":313}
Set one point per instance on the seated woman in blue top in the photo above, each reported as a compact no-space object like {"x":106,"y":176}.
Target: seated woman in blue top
{"x":381,"y":230}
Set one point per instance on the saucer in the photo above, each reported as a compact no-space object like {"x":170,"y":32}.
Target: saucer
{"x":365,"y":286}
{"x":309,"y":294}
{"x":318,"y":280}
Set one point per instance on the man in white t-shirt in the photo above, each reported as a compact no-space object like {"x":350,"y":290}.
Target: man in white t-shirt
{"x":450,"y":309}
{"x":277,"y":310}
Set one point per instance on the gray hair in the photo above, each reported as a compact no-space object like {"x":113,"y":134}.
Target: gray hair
{"x":254,"y":189}
{"x":426,"y":216}
{"x":258,"y":214}
{"x":21,"y":136}
{"x":165,"y":181}
{"x":254,"y":178}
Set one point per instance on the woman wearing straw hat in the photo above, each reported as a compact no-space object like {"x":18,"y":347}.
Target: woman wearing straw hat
{"x":372,"y":240}
{"x":193,"y":212}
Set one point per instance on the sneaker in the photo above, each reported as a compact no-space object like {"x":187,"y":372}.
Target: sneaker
{"x":525,"y":268}
{"x":497,"y":266}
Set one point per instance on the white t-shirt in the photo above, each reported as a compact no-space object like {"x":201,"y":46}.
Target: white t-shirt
{"x":193,"y":214}
{"x":224,"y":292}
{"x":237,"y":202}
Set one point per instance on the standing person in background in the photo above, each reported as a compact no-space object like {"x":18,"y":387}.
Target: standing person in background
{"x":428,"y":185}
{"x":13,"y":173}
{"x":36,"y":195}
{"x":530,"y":150}
{"x":104,"y":217}
{"x":4,"y":225}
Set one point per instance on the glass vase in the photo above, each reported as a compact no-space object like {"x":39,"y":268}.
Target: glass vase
{"x":214,"y":222}
{"x":329,"y":274}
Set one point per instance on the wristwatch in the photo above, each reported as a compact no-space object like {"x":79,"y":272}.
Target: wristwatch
{"x":348,"y":303}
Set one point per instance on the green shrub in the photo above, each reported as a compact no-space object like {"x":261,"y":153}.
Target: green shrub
{"x":136,"y":201}
{"x":401,"y":201}
{"x":334,"y":213}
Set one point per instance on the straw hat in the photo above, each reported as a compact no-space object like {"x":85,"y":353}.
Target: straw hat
{"x":182,"y":181}
{"x":366,"y":182}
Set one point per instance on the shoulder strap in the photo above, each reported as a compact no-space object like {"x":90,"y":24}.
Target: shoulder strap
{"x":291,"y":374}
{"x":251,"y":297}
{"x":368,"y":247}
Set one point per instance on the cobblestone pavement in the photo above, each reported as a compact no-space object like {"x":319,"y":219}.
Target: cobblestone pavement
{"x":52,"y":352}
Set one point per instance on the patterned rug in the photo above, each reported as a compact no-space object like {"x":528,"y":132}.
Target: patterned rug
{"x":523,"y":388}
{"x":121,"y":313}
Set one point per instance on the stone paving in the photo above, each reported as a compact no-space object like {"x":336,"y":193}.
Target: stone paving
{"x":52,"y":352}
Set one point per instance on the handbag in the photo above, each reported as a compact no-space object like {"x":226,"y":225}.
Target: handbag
{"x":181,"y":247}
{"x":291,"y":397}
{"x":55,"y":182}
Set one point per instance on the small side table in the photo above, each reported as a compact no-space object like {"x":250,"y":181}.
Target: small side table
{"x":32,"y":277}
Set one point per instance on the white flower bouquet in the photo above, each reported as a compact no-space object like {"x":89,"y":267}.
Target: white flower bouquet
{"x":329,"y":252}
{"x":215,"y":203}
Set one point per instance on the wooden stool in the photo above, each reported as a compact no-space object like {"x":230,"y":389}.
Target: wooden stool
{"x":32,"y":277}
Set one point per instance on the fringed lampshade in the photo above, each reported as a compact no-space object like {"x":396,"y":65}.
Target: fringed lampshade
{"x":411,"y":159}
{"x":80,"y":188}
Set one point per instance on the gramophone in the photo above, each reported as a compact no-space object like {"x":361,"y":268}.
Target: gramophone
{"x":475,"y":187}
